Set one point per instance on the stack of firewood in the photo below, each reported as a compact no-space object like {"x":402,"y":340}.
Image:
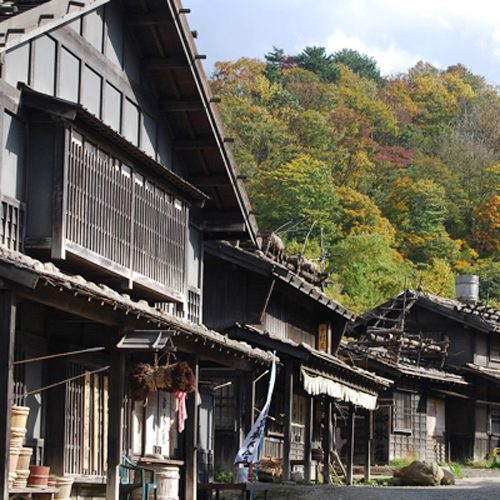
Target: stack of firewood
{"x":396,"y":344}
{"x":270,"y":469}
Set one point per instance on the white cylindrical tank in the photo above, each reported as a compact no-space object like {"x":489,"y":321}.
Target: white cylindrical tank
{"x":467,"y":289}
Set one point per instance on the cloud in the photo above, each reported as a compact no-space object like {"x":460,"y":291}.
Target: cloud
{"x":390,"y":59}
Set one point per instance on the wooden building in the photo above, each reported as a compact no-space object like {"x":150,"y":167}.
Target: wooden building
{"x":255,"y":299}
{"x":114,"y":171}
{"x":444,"y":359}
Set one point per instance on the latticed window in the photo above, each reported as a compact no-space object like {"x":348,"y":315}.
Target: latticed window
{"x":19,"y":376}
{"x":495,"y":420}
{"x":11,"y":223}
{"x":86,"y":421}
{"x":224,"y":403}
{"x":402,"y":420}
{"x":495,"y":347}
{"x":117,"y":213}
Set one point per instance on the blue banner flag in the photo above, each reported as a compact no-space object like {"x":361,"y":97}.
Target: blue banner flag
{"x":248,"y":452}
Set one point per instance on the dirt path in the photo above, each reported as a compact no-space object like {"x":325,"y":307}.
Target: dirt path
{"x":469,"y":488}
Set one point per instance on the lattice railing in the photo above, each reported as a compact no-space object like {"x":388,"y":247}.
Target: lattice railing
{"x":11,"y":223}
{"x":124,"y":218}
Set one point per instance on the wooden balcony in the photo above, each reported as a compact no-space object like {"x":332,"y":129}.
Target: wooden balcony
{"x":111,"y":221}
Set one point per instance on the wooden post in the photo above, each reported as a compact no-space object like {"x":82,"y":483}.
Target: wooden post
{"x":287,"y":469}
{"x":350,"y":444}
{"x":327,"y":440}
{"x":308,"y":435}
{"x":7,"y":339}
{"x":115,"y":429}
{"x":368,"y":441}
{"x":191,"y":438}
{"x":249,"y":404}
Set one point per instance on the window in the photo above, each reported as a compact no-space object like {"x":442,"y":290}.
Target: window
{"x":495,"y":347}
{"x":112,"y":107}
{"x":224,"y":403}
{"x":12,"y":175}
{"x":86,"y":421}
{"x":92,"y":91}
{"x":69,"y":76}
{"x":123,"y":216}
{"x":402,"y":420}
{"x":495,"y":420}
{"x":44,"y":65}
{"x":94,"y":28}
{"x":130,"y":127}
{"x":17,"y":65}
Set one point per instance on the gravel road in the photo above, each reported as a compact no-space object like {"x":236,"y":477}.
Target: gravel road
{"x":468,"y":488}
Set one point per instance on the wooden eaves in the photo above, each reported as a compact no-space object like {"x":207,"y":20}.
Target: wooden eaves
{"x":174,"y":69}
{"x":45,"y":284}
{"x":258,"y":263}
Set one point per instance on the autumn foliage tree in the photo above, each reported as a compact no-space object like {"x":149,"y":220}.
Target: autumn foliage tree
{"x":402,"y":172}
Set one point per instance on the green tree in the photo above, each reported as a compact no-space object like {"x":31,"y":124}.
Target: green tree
{"x":361,"y":64}
{"x":300,"y":187}
{"x":316,"y":60}
{"x":417,"y":209}
{"x":369,"y":270}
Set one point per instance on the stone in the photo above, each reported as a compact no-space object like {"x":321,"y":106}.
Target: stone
{"x":421,"y":473}
{"x":448,"y":478}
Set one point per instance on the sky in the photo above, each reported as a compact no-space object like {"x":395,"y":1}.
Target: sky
{"x":396,"y":33}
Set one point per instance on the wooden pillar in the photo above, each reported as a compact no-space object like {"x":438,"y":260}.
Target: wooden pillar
{"x":368,"y":441}
{"x":308,"y":436}
{"x":116,"y":391}
{"x":7,"y":339}
{"x":287,"y":469}
{"x":350,"y":444}
{"x":191,"y":438}
{"x":327,"y":439}
{"x":249,"y":404}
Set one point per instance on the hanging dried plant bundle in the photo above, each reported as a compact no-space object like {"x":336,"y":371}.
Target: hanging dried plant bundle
{"x":145,"y":378}
{"x":183,"y":378}
{"x":139,"y":381}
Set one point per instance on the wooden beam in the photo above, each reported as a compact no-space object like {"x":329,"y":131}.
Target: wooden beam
{"x":149,"y":19}
{"x":249,"y":403}
{"x":327,"y":439}
{"x":210,"y":181}
{"x":223,"y":227}
{"x":155,"y":63}
{"x":350,"y":444}
{"x":308,"y":437}
{"x":287,"y":436}
{"x":368,"y":442}
{"x":18,"y":275}
{"x":171,"y":106}
{"x":117,"y":378}
{"x":79,"y":305}
{"x":7,"y":340}
{"x":188,"y":144}
{"x":191,"y":438}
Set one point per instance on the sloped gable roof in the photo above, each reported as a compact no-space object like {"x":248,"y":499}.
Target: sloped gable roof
{"x":173,"y":66}
{"x":389,"y":314}
{"x":256,"y":261}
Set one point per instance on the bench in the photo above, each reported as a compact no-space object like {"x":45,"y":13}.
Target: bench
{"x":245,"y":488}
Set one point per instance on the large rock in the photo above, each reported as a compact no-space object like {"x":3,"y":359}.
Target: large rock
{"x":421,"y":473}
{"x":448,"y":478}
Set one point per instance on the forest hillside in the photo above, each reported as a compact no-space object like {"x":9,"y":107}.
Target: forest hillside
{"x":384,"y":180}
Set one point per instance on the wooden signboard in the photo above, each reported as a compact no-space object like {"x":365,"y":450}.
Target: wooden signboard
{"x":323,"y":337}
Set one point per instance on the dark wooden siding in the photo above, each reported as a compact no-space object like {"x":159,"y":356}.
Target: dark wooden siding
{"x":224,"y":301}
{"x":287,"y":319}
